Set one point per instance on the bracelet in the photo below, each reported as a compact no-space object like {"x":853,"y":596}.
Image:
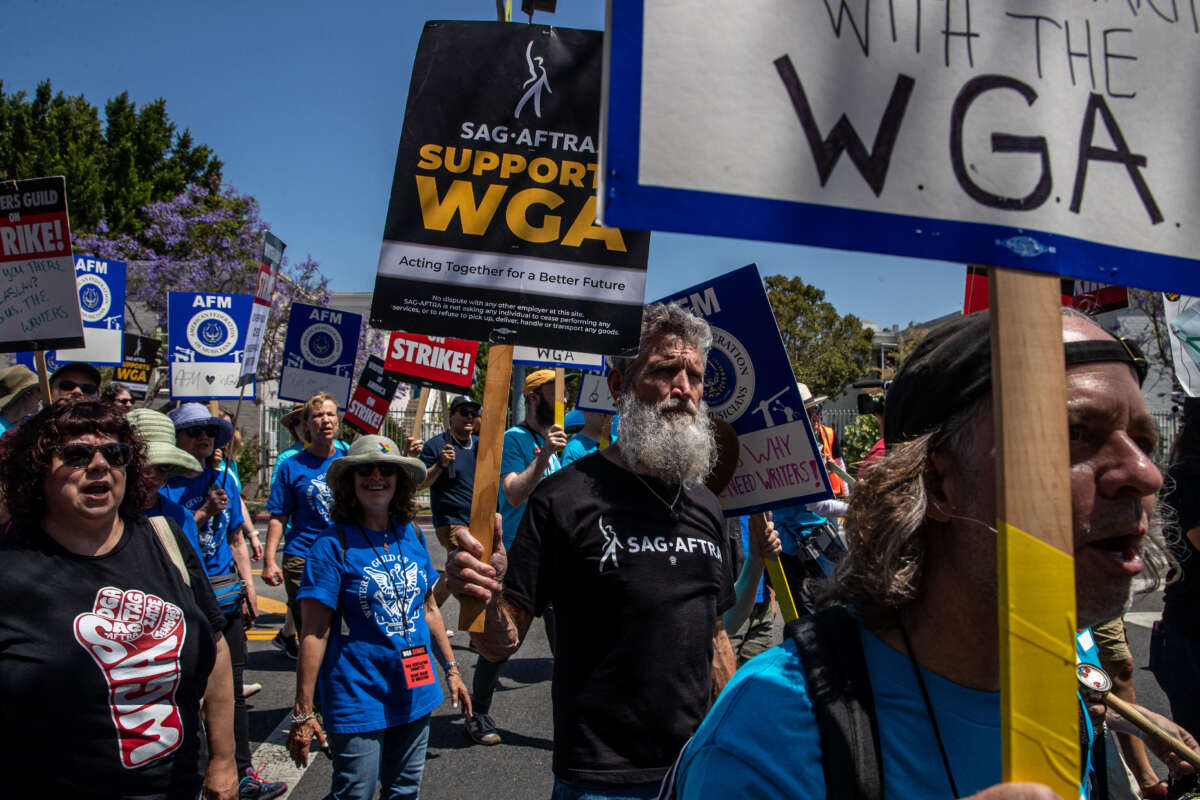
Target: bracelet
{"x":300,"y":719}
{"x":449,"y":665}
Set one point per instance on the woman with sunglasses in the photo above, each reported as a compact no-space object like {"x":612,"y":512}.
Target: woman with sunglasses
{"x":109,"y":634}
{"x":371,"y":630}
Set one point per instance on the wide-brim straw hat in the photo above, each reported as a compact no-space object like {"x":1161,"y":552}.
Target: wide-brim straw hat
{"x":806,"y":396}
{"x":195,"y":415}
{"x":158,"y":432}
{"x":375,"y":449}
{"x":293,"y":417}
{"x":14,"y":381}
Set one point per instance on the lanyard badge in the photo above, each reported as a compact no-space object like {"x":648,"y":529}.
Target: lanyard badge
{"x":418,"y":669}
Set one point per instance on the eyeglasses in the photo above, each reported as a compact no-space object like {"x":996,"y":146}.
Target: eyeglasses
{"x":70,"y":386}
{"x":197,"y":431}
{"x":123,"y":401}
{"x":79,"y":455}
{"x":366,"y":470}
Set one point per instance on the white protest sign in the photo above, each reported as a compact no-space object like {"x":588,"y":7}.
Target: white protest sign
{"x":594,"y":394}
{"x":548,"y":357}
{"x":1182,"y":314}
{"x":1048,"y":135}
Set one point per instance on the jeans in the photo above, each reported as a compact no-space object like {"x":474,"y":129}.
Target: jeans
{"x":627,"y":791}
{"x":393,"y":757}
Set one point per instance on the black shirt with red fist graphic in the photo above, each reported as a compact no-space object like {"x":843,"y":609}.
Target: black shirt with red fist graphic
{"x":637,"y":592}
{"x":103,"y":663}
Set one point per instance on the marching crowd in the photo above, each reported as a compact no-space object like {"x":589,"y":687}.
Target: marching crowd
{"x":125,"y":572}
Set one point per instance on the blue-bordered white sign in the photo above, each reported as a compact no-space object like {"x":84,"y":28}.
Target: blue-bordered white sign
{"x":593,"y":391}
{"x":549,"y":357}
{"x":984,"y":137}
{"x":206,"y":342}
{"x":748,"y":382}
{"x":319,"y":355}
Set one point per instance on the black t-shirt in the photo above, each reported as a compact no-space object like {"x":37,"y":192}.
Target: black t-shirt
{"x":1181,"y":599}
{"x":450,"y":498}
{"x":103,"y":662}
{"x":636,"y":600}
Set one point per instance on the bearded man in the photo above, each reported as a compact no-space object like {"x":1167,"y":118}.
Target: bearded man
{"x":631,"y":549}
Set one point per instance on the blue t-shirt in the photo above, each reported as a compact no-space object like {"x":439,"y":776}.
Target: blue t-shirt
{"x":298,"y":447}
{"x":361,"y":682}
{"x":794,"y":524}
{"x":521,"y":446}
{"x":5,"y":425}
{"x":166,"y":507}
{"x":745,"y":524}
{"x":578,"y":447}
{"x":300,"y":492}
{"x":765,"y":710}
{"x":213,"y":536}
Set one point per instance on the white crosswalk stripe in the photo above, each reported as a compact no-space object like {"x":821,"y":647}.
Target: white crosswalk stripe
{"x":272,"y":760}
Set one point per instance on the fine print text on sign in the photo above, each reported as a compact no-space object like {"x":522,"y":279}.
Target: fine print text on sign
{"x":1035,"y":135}
{"x":491,"y":230}
{"x":748,"y":383}
{"x":206,"y":337}
{"x":140,"y":355}
{"x":39,"y":302}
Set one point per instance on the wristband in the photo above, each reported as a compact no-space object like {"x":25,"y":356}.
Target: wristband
{"x":449,"y":665}
{"x":300,"y":719}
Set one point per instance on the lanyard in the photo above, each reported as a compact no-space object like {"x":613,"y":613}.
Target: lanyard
{"x":937,"y":733}
{"x":387,"y":570}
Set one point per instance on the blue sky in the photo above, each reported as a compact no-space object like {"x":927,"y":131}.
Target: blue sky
{"x":304,"y":102}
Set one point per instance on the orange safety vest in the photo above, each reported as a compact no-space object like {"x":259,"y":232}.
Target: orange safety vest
{"x":826,"y":434}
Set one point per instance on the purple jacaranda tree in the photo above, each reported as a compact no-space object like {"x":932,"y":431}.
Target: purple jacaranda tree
{"x":209,"y":241}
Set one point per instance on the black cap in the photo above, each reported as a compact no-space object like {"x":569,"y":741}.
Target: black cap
{"x":951,"y":368}
{"x":81,"y":366}
{"x":461,"y":400}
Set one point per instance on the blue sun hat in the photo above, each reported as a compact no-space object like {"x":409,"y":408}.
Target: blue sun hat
{"x":195,"y":415}
{"x":375,"y":449}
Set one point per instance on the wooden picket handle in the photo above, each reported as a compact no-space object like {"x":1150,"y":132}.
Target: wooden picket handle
{"x":419,"y":418}
{"x":560,"y":394}
{"x":39,"y":361}
{"x":1036,"y":604}
{"x":487,"y":471}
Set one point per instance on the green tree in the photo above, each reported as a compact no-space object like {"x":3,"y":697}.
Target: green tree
{"x":115,"y":170}
{"x":858,"y":438}
{"x":827,"y":350}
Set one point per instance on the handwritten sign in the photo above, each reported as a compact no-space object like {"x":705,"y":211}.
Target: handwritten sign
{"x":141,"y":353}
{"x":206,"y":341}
{"x":1042,"y":135}
{"x":549,"y":357}
{"x":39,"y":303}
{"x":748,"y":382}
{"x":101,"y":284}
{"x":269,"y":263}
{"x":491,"y":229}
{"x":372,"y":397}
{"x":439,"y":363}
{"x":319,"y":355}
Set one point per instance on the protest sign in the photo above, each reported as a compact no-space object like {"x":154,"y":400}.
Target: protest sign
{"x":1040,"y":136}
{"x":1089,"y":297}
{"x":372,"y":397}
{"x":549,"y":357}
{"x":1182,"y":314}
{"x":319,"y":354}
{"x":269,"y":263}
{"x":138,"y":366}
{"x":436,"y":362}
{"x":748,"y":382}
{"x":491,"y":231}
{"x":39,"y":300}
{"x":101,"y":284}
{"x":206,"y":342}
{"x":593,"y":392}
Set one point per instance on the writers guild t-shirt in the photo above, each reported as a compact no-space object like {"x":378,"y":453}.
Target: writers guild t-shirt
{"x":301,"y":492}
{"x":636,"y":599}
{"x":103,"y":661}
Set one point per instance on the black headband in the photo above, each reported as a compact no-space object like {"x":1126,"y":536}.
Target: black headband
{"x":1121,"y":349}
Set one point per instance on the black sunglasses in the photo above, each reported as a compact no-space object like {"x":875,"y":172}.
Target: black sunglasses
{"x":70,"y":386}
{"x":79,"y":455}
{"x":468,"y":412}
{"x":386,"y":470}
{"x":197,"y":431}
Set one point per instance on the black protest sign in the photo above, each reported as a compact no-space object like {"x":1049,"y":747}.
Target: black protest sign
{"x":491,"y":230}
{"x":372,"y":397}
{"x":141,"y":353}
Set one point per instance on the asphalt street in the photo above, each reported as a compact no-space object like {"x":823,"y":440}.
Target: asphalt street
{"x":519,"y":767}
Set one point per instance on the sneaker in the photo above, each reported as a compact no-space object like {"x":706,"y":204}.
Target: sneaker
{"x":253,"y":787}
{"x":482,"y":729}
{"x":286,"y":644}
{"x":249,"y":689}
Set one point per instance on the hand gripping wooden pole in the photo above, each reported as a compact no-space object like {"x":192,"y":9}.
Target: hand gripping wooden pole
{"x":487,"y":471}
{"x":1036,"y":575}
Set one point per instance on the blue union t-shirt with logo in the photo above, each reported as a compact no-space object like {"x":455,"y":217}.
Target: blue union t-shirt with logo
{"x":380,"y":594}
{"x":301,"y":492}
{"x":213,"y":535}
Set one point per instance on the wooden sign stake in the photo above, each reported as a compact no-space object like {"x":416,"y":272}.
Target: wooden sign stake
{"x":560,"y":393}
{"x":487,"y":471}
{"x":1036,"y":578}
{"x":39,"y":361}
{"x":419,"y":418}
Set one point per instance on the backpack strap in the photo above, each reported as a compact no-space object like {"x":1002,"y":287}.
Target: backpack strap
{"x":839,"y":687}
{"x":166,"y":537}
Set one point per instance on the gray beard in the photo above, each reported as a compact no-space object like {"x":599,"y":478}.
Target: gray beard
{"x":676,"y":448}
